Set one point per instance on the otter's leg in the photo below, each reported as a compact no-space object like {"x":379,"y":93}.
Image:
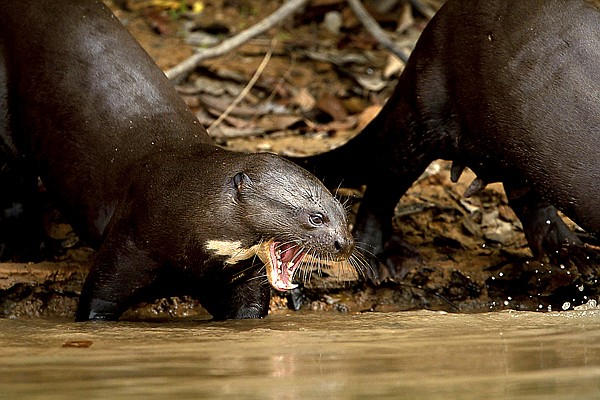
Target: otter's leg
{"x":244,"y":298}
{"x":373,"y":231}
{"x":120,"y":272}
{"x":547,"y":234}
{"x":544,"y":229}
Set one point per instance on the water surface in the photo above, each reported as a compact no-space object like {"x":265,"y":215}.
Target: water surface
{"x":407,"y":355}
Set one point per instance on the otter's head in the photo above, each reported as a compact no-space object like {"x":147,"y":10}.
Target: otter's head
{"x":291,"y":220}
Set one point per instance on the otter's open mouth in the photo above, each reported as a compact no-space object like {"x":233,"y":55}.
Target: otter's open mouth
{"x":281,"y":261}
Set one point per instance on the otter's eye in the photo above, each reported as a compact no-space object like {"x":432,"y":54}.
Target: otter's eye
{"x":316,"y":219}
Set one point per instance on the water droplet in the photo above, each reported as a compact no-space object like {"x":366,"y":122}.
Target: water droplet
{"x":566,"y":305}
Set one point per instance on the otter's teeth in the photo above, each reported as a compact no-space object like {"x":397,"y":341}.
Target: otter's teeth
{"x":280,"y":264}
{"x":283,"y":272}
{"x":280,"y":277}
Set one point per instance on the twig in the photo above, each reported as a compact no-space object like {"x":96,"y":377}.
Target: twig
{"x":375,"y":30}
{"x":209,"y":101}
{"x":226,"y":46}
{"x":245,"y":91}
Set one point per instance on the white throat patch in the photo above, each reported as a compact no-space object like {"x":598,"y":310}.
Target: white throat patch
{"x":231,"y":249}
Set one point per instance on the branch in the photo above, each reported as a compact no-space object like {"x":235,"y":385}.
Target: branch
{"x":245,"y":91}
{"x":226,"y":46}
{"x":375,"y":30}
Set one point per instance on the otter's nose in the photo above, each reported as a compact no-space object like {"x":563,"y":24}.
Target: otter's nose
{"x":344,"y":245}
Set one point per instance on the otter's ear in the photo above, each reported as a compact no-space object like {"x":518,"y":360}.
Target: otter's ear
{"x":240,"y":180}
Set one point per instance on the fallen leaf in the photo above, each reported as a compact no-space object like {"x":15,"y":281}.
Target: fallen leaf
{"x":370,"y":82}
{"x":367,"y":115}
{"x":159,"y":22}
{"x":270,"y":123}
{"x":393,"y":67}
{"x":330,"y":104}
{"x":304,"y":100}
{"x":334,"y":126}
{"x":354,"y":105}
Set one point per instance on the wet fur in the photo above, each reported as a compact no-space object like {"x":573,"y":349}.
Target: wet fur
{"x":87,"y":109}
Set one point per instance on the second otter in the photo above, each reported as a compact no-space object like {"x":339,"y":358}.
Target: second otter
{"x":507,"y":88}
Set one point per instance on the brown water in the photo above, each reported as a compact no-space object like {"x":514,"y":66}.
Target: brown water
{"x":408,"y":355}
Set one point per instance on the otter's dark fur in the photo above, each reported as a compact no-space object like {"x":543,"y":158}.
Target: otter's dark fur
{"x":137,"y":176}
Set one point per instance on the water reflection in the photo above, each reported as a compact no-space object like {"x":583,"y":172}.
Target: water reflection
{"x":429,"y":355}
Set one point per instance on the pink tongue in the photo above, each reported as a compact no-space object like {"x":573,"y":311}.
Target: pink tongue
{"x":287,"y":253}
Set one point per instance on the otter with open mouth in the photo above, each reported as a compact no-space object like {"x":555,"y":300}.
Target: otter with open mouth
{"x":84,"y":106}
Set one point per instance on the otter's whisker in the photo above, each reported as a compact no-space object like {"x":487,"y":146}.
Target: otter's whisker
{"x":362,"y":264}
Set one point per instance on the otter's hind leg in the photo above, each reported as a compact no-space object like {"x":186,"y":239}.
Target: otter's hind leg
{"x":548,"y":235}
{"x":545,"y":231}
